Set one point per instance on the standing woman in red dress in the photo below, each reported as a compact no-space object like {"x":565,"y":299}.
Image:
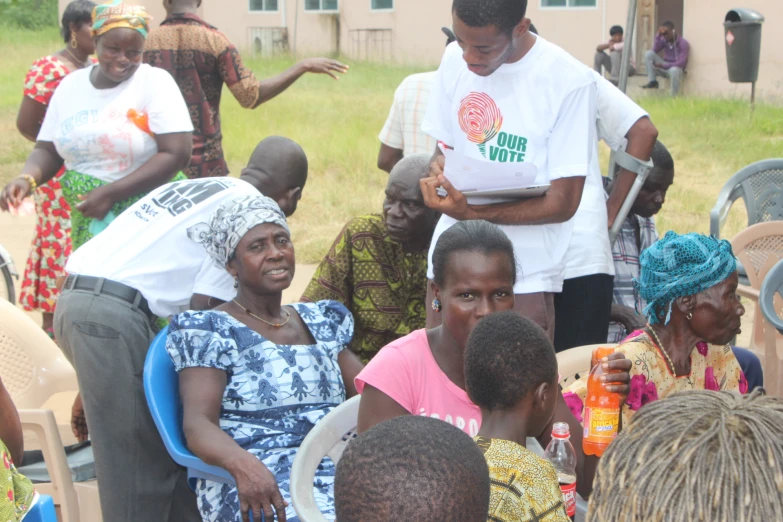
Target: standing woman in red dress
{"x":51,"y":244}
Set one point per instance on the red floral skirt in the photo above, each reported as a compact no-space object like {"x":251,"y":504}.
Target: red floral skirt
{"x":50,"y":249}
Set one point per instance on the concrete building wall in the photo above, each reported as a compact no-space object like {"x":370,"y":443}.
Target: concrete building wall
{"x":707,"y":72}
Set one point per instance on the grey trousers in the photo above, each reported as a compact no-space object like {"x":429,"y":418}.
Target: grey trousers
{"x":106,"y":339}
{"x":611,"y":62}
{"x":673,"y":73}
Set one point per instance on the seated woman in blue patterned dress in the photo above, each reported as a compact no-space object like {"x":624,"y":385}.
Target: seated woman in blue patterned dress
{"x":256,"y":376}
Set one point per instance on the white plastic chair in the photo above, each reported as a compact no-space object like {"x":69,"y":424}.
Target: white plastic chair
{"x":33,"y":370}
{"x":759,"y":248}
{"x":328,"y":438}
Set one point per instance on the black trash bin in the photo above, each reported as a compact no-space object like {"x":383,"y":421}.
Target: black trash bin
{"x":743,"y":44}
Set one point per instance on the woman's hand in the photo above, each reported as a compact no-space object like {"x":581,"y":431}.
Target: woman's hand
{"x":618,"y":379}
{"x":97,"y":203}
{"x":258,"y":491}
{"x":78,"y":420}
{"x":14,"y":193}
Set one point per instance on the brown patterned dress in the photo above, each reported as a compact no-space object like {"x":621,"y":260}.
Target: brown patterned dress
{"x":201,"y":59}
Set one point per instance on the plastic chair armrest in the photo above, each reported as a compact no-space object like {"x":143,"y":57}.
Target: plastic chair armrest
{"x":728,"y":195}
{"x":44,"y":425}
{"x":749,"y":292}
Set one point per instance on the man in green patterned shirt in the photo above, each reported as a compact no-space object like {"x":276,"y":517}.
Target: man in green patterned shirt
{"x":377,"y":266}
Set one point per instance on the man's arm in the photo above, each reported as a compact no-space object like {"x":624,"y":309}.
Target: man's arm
{"x":571,"y":143}
{"x":250,"y":93}
{"x":641,"y":139}
{"x":603,"y":47}
{"x":388,"y":157}
{"x":659,"y":43}
{"x":682,"y":55}
{"x":558,"y":205}
{"x":271,"y":87}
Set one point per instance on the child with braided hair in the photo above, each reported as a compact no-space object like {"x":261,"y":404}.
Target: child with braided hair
{"x":696,"y":455}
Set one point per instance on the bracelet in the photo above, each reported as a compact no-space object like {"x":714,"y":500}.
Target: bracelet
{"x":30,"y":180}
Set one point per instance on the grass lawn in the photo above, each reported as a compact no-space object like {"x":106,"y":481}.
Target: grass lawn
{"x":337,"y":123}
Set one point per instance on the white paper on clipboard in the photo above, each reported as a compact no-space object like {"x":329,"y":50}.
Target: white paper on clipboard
{"x":469,"y":174}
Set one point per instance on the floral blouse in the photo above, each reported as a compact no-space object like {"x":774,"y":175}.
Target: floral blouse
{"x":274,"y":393}
{"x":712,"y":368}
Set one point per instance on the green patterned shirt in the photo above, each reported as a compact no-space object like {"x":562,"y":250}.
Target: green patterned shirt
{"x":383,"y":286}
{"x":16,"y":491}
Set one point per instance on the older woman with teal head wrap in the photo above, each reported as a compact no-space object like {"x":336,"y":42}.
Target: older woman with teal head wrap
{"x":688,"y":285}
{"x":255,"y":375}
{"x":120,"y":127}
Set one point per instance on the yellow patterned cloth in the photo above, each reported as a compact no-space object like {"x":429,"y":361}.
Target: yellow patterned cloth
{"x":383,"y":286}
{"x":16,"y":490}
{"x":712,"y":368}
{"x":524,"y":487}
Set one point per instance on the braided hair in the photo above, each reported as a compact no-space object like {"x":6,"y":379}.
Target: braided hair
{"x":695,"y":456}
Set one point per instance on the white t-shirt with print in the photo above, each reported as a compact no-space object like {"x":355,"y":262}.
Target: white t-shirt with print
{"x":540,"y":110}
{"x":92,"y":131}
{"x":147,"y":247}
{"x":590,"y":252}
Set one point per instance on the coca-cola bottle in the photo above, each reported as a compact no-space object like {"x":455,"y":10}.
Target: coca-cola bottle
{"x":560,"y":453}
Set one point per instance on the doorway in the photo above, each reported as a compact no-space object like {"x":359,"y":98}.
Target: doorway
{"x":650,"y":15}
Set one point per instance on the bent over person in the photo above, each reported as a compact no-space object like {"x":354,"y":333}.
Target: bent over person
{"x":377,"y":266}
{"x":144,"y":267}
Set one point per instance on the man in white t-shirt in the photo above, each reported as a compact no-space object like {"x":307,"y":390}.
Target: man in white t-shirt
{"x":504,"y":95}
{"x":583,"y":308}
{"x":144,"y":266}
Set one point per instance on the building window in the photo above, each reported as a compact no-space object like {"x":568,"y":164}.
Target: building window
{"x":263,"y":5}
{"x":568,"y":3}
{"x":321,"y":5}
{"x":377,"y":5}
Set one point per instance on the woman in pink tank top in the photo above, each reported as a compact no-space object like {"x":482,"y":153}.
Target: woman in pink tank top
{"x":423,"y":372}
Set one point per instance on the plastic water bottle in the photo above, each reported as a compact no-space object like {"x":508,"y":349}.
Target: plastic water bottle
{"x":560,"y":453}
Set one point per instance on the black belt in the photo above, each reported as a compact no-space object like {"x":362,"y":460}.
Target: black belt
{"x":108,"y":287}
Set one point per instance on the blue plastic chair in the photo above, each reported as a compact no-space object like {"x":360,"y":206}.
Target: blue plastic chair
{"x":43,"y":511}
{"x":161,"y":386}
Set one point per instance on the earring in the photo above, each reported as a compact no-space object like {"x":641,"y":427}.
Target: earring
{"x":236,"y":282}
{"x":436,"y":304}
{"x":689,"y":316}
{"x":74,"y":43}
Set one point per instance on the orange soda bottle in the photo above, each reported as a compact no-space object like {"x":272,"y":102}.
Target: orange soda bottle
{"x":602,"y":409}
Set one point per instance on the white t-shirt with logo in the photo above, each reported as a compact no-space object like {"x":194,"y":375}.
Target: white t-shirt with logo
{"x":91,"y":128}
{"x":147,"y":247}
{"x":541,"y":110}
{"x":590,"y":252}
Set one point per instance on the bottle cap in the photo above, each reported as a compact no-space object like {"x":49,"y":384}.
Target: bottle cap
{"x":560,"y":431}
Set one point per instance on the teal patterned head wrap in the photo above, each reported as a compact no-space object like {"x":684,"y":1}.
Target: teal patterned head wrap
{"x":681,"y":265}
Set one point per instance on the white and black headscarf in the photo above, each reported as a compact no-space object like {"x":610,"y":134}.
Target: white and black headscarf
{"x":231,"y":222}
